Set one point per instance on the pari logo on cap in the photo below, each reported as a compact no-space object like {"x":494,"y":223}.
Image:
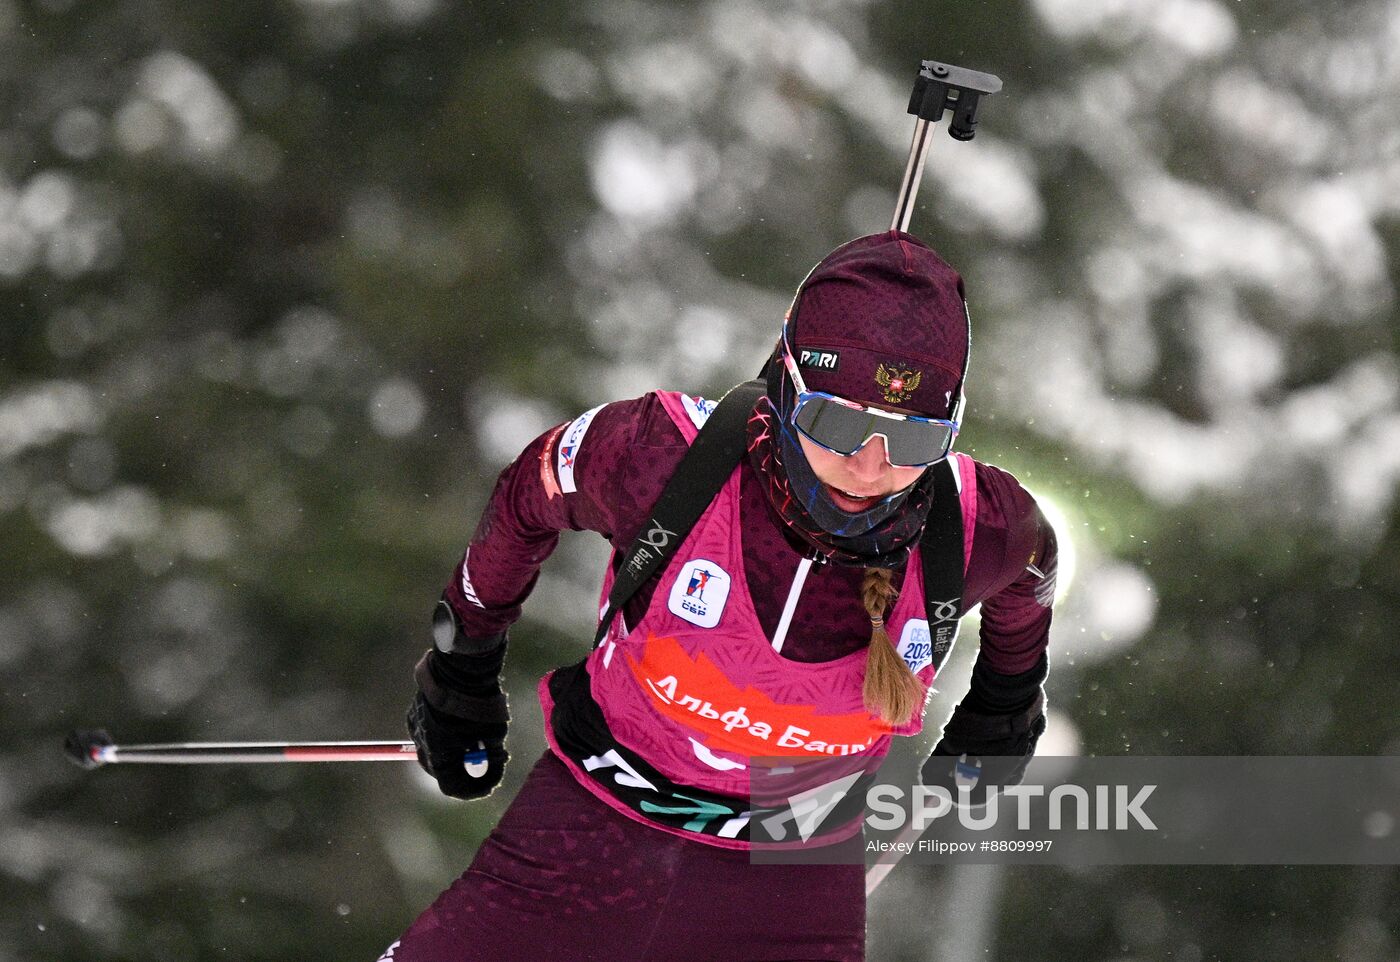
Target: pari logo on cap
{"x":700,"y":592}
{"x":820,"y":360}
{"x":897,"y":384}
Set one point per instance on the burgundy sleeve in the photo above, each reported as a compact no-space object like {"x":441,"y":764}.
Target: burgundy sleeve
{"x":1016,"y":610}
{"x":600,"y":472}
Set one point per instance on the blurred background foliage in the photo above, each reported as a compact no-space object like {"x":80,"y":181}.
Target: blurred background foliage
{"x":283,"y":285}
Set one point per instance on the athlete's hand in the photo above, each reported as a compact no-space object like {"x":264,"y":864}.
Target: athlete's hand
{"x":980,"y":751}
{"x":460,"y":708}
{"x":443,"y":741}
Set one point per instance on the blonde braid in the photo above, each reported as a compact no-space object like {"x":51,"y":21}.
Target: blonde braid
{"x":891,"y":690}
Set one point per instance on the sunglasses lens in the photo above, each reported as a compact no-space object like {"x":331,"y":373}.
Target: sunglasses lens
{"x":914,"y":443}
{"x":833,"y":425}
{"x":843,"y":430}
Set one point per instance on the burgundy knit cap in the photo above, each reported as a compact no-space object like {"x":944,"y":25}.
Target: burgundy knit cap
{"x":882,"y":320}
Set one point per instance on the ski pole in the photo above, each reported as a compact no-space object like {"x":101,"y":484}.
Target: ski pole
{"x":939,"y":87}
{"x":95,"y":748}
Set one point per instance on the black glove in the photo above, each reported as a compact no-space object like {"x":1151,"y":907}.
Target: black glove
{"x":990,"y":738}
{"x":460,"y":708}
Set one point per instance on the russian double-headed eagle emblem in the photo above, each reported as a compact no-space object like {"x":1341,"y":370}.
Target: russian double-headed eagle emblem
{"x":898,"y":385}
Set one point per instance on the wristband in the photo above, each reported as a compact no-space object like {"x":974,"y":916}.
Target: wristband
{"x":449,"y":638}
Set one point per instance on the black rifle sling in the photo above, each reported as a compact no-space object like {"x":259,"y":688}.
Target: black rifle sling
{"x":941,"y":549}
{"x":711,"y":459}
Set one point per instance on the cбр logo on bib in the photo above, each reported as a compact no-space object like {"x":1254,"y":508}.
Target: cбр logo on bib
{"x":699,"y":594}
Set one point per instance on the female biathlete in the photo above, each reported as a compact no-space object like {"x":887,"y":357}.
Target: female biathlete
{"x":791,"y":619}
